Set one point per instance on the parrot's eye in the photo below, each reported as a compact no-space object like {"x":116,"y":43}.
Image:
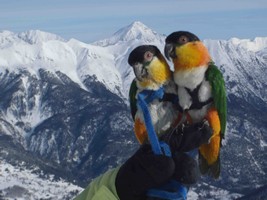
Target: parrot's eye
{"x":183,"y":39}
{"x":148,"y":56}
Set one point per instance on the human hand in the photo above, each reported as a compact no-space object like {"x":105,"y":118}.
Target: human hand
{"x":143,"y":171}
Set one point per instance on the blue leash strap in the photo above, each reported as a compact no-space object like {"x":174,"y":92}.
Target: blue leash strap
{"x":143,"y":99}
{"x":167,"y":192}
{"x":173,"y":190}
{"x":150,"y":95}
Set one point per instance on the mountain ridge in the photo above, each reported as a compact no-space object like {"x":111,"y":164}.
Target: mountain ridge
{"x":78,"y":55}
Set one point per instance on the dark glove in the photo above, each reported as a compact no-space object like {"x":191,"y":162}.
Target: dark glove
{"x":186,"y":169}
{"x":188,"y":137}
{"x":143,"y":171}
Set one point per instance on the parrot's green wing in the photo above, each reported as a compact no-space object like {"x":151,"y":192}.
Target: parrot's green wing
{"x":132,"y":98}
{"x":215,"y":78}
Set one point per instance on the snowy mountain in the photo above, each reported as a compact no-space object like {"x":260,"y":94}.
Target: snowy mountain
{"x":64,"y":107}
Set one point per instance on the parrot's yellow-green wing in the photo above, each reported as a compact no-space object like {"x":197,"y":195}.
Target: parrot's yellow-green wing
{"x":215,"y":78}
{"x":132,"y":98}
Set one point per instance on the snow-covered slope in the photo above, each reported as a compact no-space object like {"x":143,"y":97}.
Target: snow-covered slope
{"x":17,"y":182}
{"x":36,"y":50}
{"x":136,"y":32}
{"x":65,"y":102}
{"x":242,"y":61}
{"x":255,"y":45}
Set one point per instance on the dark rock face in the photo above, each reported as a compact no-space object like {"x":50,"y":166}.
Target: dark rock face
{"x":83,"y":132}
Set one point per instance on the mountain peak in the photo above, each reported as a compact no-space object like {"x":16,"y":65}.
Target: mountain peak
{"x":37,"y":36}
{"x":258,"y":44}
{"x":135,"y":31}
{"x":136,"y":25}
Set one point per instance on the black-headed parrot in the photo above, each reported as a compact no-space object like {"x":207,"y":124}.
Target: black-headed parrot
{"x":201,"y":92}
{"x":152,"y":72}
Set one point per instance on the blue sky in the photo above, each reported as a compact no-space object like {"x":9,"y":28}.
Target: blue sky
{"x":91,"y":20}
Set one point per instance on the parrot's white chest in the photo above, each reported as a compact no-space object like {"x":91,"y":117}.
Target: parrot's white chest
{"x":162,"y":115}
{"x":194,"y":91}
{"x":190,"y":78}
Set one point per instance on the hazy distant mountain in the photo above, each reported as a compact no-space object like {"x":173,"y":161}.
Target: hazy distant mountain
{"x":64,"y":107}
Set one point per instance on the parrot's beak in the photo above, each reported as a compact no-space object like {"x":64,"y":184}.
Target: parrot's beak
{"x":169,"y":51}
{"x":140,"y":71}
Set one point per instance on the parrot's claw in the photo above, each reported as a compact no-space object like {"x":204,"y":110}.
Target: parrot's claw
{"x":207,"y":131}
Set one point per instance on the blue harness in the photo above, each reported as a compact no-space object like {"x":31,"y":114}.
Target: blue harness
{"x":173,"y":190}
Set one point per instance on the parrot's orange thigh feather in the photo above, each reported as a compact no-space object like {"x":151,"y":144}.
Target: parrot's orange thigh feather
{"x":211,"y":151}
{"x":140,"y":131}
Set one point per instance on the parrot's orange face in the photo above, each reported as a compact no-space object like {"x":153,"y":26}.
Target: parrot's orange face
{"x":191,"y":55}
{"x":186,"y":51}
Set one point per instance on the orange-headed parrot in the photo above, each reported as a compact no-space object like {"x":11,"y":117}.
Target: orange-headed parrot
{"x":201,"y":92}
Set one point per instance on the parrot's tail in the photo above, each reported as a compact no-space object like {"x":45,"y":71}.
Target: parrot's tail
{"x":212,"y":170}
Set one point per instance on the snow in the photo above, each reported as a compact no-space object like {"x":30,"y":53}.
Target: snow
{"x":212,"y":193}
{"x":37,"y":36}
{"x":263,"y":144}
{"x":35,"y":49}
{"x":21,"y":184}
{"x":251,"y":45}
{"x":235,"y":59}
{"x":255,"y":162}
{"x":136,"y":31}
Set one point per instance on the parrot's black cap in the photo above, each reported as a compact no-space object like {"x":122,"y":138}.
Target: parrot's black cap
{"x":175,"y":39}
{"x":179,"y":37}
{"x":137,"y":55}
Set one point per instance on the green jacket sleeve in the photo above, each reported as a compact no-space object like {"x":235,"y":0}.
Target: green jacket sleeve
{"x":103,"y":187}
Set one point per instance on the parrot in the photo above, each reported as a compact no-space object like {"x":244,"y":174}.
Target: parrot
{"x":152,"y":72}
{"x":201,"y":93}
